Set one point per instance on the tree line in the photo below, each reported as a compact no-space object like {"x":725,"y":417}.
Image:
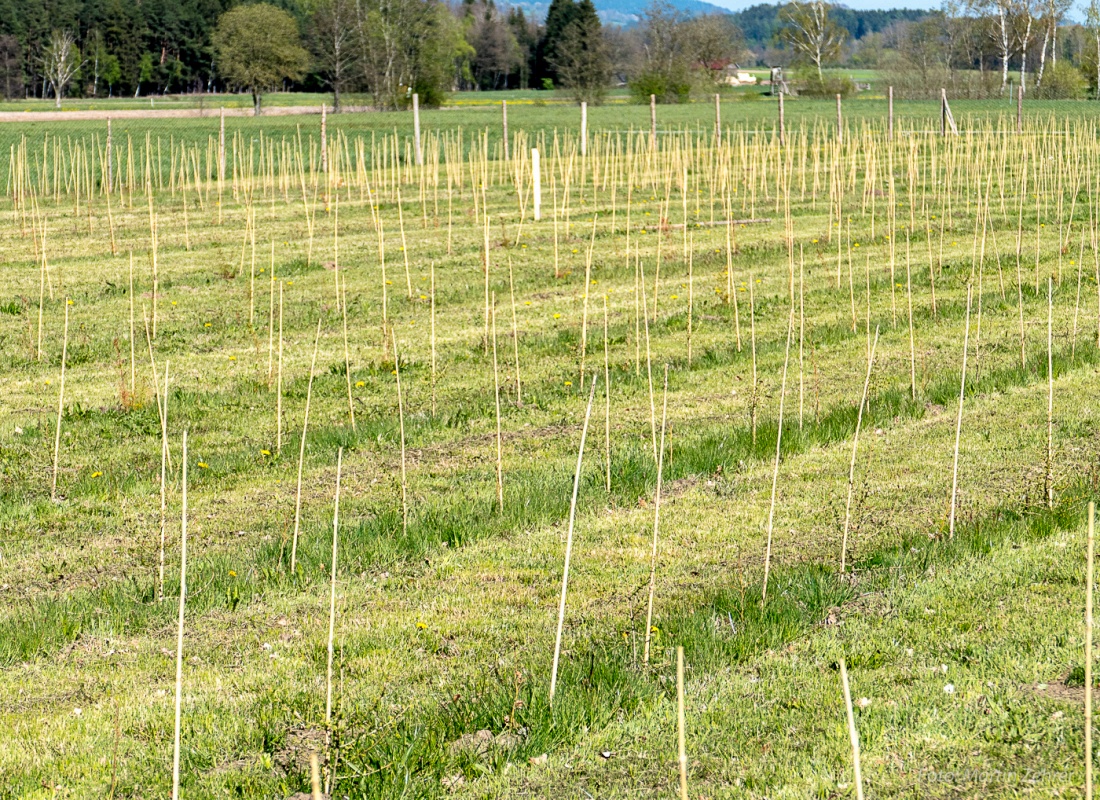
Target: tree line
{"x":395,"y":48}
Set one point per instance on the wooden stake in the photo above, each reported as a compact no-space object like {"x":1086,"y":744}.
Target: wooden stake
{"x":681,"y":721}
{"x":778,"y":447}
{"x":179,"y":631}
{"x":656,"y":525}
{"x":401,"y":422}
{"x":496,"y":400}
{"x":569,"y":544}
{"x":302,"y":453}
{"x":958,"y":424}
{"x":855,"y":449}
{"x":853,"y":734}
{"x":1088,"y":652}
{"x":607,"y":397}
{"x":1050,"y":394}
{"x":163,"y":484}
{"x":279,"y":381}
{"x":133,"y":365}
{"x":60,"y":404}
{"x":332,"y":600}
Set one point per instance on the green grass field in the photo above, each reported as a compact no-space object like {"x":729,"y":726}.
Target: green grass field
{"x":964,"y":643}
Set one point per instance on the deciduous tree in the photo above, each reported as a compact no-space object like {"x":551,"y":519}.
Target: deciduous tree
{"x":257,"y":47}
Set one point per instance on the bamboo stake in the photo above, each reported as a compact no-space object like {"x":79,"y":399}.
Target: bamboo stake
{"x":133,"y":365}
{"x":855,"y":450}
{"x":1050,"y":395}
{"x":179,"y":633}
{"x":302,"y":453}
{"x":401,"y":421}
{"x":60,"y":404}
{"x":569,"y":544}
{"x":958,"y":424}
{"x":347,"y":356}
{"x":515,"y":335}
{"x":496,"y":400}
{"x":607,"y":396}
{"x":853,"y":734}
{"x":681,"y":721}
{"x":778,"y":447}
{"x":656,"y":524}
{"x":432,"y":336}
{"x":163,"y":484}
{"x":332,"y":601}
{"x":279,"y":381}
{"x":1088,"y":651}
{"x":752,"y":330}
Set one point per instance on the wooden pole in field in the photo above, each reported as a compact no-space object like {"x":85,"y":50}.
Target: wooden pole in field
{"x":221,"y":148}
{"x":839,"y":122}
{"x":782,"y":132}
{"x":536,"y":180}
{"x":504,"y":128}
{"x":653,"y":121}
{"x":569,"y":544}
{"x":110,"y":157}
{"x":853,"y":734}
{"x":584,"y":129}
{"x":1020,"y":110}
{"x":717,"y":119}
{"x":324,"y":139}
{"x":179,"y":632}
{"x":416,"y":130}
{"x":890,"y":114}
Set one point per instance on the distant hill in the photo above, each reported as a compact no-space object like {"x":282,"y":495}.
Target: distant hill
{"x":761,"y":23}
{"x":622,"y":12}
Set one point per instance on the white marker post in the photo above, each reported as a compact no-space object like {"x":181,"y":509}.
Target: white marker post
{"x":536,"y":177}
{"x":584,"y":129}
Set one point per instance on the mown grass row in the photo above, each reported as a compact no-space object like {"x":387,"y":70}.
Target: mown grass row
{"x":602,"y":679}
{"x":534,"y":496}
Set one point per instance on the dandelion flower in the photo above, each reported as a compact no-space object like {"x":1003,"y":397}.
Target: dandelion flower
{"x":423,"y":297}
{"x":557,"y":316}
{"x":265,"y":452}
{"x":206,"y":325}
{"x":174,"y":302}
{"x":232,"y":573}
{"x":422,"y":626}
{"x":97,"y":474}
{"x":569,"y":383}
{"x":360,"y":384}
{"x":70,"y":302}
{"x":203,"y":465}
{"x":675,"y":297}
{"x":527,"y":303}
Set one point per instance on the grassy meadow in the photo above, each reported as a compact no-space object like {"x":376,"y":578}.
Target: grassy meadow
{"x":761,"y":344}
